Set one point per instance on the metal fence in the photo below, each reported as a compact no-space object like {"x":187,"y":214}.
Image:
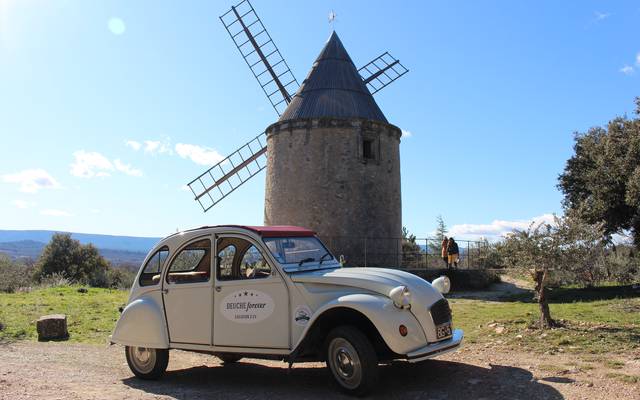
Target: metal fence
{"x":426,"y":253}
{"x":423,"y":253}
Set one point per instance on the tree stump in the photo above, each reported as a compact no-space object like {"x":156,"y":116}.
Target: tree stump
{"x":52,"y":327}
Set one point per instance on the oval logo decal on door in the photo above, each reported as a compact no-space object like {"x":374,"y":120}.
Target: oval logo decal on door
{"x":247,"y":306}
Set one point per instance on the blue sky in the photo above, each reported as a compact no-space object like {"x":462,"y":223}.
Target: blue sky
{"x":108,"y":108}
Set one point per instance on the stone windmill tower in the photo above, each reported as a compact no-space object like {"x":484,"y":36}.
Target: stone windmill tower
{"x":332,"y":158}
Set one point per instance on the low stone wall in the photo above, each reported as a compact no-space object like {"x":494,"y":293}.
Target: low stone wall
{"x":461,"y":279}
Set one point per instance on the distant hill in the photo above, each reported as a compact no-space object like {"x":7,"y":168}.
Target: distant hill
{"x":22,"y":249}
{"x":128,"y":243}
{"x":117,"y":249}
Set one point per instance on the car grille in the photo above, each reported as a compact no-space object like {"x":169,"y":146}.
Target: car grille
{"x":440,"y":312}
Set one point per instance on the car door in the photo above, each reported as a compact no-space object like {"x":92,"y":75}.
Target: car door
{"x":251,"y":300}
{"x":188,"y":293}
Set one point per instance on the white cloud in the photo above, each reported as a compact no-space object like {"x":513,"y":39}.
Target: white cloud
{"x":638,"y":59}
{"x":126,"y":168}
{"x":55,"y":213}
{"x":133,"y":144}
{"x":627,"y":70}
{"x":497,"y":228}
{"x":32,"y":180}
{"x":153,"y":147}
{"x":601,"y":15}
{"x":406,"y":134}
{"x":197,"y":154}
{"x":90,"y":164}
{"x":116,"y":26}
{"x":23,"y":203}
{"x":157,"y":146}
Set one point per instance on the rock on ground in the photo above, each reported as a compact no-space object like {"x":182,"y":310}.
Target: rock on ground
{"x":51,"y":327}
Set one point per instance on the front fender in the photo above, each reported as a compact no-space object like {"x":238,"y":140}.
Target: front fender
{"x":385,"y":317}
{"x":142,"y":323}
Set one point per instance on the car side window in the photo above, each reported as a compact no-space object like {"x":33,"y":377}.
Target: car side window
{"x":153,"y":268}
{"x":225,"y":262}
{"x":192,"y":264}
{"x":254,"y":265}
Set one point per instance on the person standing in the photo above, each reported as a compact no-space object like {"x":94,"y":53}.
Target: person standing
{"x":453,"y":252}
{"x":443,"y":251}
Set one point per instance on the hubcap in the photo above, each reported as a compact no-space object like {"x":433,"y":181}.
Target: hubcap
{"x":143,"y":359}
{"x":344,"y":363}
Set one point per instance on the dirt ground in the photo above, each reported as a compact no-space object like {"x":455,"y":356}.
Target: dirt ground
{"x":31,"y":370}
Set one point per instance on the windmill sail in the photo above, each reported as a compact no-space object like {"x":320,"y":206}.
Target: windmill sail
{"x":219,"y":181}
{"x":381,"y":71}
{"x":279,"y":85}
{"x":261,"y":54}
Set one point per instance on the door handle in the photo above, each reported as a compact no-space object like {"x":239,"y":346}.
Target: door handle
{"x":165,"y":291}
{"x":218,"y":288}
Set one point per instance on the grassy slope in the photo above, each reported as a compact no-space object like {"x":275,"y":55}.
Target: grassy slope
{"x":600,"y":320}
{"x":607,"y":320}
{"x":90,"y":316}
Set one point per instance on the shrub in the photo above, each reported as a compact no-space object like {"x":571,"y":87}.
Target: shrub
{"x":411,"y":251}
{"x":55,"y":280}
{"x":487,"y":255}
{"x":14,"y":275}
{"x":74,"y":261}
{"x":119,"y":278}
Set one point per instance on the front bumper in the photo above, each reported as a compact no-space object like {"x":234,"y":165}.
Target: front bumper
{"x":436,"y":349}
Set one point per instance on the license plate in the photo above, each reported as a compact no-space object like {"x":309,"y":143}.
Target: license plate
{"x":443,"y":331}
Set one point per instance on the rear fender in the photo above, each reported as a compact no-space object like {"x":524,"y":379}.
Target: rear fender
{"x":142,"y":323}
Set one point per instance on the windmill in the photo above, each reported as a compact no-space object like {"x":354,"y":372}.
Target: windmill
{"x":335,"y":90}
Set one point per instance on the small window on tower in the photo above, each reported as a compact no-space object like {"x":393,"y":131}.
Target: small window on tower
{"x":368,"y":149}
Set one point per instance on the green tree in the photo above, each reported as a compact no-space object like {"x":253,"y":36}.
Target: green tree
{"x":411,"y":251}
{"x":441,"y":231}
{"x":601,"y":181}
{"x":441,"y":228}
{"x":80,"y":263}
{"x":568,"y":247}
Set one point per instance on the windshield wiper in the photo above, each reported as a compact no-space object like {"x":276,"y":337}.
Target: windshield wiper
{"x":304,"y":260}
{"x":322,"y":258}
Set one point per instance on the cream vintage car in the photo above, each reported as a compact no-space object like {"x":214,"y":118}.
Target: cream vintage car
{"x":278,"y":293}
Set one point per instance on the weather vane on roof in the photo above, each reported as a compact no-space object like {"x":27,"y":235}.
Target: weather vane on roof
{"x":332,"y":18}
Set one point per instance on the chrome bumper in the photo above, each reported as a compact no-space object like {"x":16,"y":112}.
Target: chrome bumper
{"x":436,"y":349}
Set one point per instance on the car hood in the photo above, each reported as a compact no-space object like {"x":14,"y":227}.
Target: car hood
{"x":378,"y":280}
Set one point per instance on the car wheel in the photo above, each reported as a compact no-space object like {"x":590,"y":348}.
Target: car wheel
{"x":147,"y":363}
{"x":229,"y":358}
{"x":352,"y":360}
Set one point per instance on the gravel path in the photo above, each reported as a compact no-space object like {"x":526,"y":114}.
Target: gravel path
{"x":31,"y":370}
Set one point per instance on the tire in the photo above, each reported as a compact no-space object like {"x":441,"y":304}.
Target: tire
{"x":229,"y":358}
{"x":147,"y":363}
{"x":352,"y":360}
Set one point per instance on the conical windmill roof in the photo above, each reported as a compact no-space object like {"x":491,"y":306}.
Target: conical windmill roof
{"x":333,"y":88}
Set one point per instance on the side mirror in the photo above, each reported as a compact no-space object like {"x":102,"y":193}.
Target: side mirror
{"x":442,"y":284}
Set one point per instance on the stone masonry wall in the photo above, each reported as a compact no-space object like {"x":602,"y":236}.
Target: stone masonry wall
{"x":317,"y":178}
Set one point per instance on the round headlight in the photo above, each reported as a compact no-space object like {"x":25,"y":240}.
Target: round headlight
{"x":401,"y":296}
{"x":442,"y":284}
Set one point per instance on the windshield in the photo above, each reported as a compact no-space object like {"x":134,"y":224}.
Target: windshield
{"x":299,"y":250}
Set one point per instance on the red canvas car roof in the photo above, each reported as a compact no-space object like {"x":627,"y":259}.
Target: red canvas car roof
{"x":279,"y":230}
